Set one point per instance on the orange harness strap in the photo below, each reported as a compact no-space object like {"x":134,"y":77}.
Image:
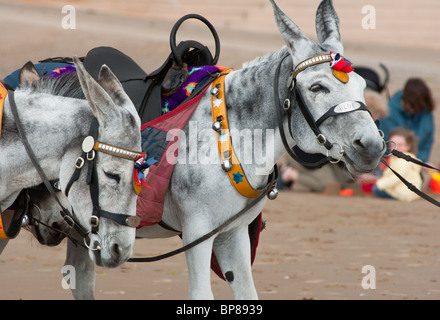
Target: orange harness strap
{"x":2,"y":230}
{"x":3,"y":93}
{"x":228,"y":158}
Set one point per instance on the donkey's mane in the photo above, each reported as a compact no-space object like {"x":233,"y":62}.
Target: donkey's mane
{"x":268,"y":57}
{"x":65,"y":85}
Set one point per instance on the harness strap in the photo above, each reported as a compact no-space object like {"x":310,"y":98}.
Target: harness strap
{"x":229,"y":160}
{"x":322,"y":140}
{"x":3,"y":93}
{"x":264,"y":192}
{"x":64,"y":212}
{"x":278,"y":108}
{"x":408,"y":158}
{"x":2,"y":229}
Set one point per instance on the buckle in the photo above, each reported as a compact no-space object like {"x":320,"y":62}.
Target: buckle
{"x":94,"y":221}
{"x":69,"y":220}
{"x":321,"y":139}
{"x":91,"y":155}
{"x":79,"y":162}
{"x":286,"y":104}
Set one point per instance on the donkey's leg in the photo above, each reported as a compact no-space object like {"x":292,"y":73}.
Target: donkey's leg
{"x":232,"y":250}
{"x":198,"y":259}
{"x":3,"y":243}
{"x":84,"y":268}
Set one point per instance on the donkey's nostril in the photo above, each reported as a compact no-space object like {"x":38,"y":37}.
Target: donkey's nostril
{"x":359,"y":143}
{"x":116,"y":251}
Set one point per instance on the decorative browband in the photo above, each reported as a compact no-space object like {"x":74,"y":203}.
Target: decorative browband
{"x":119,"y":152}
{"x":311,"y":62}
{"x":340,"y":66}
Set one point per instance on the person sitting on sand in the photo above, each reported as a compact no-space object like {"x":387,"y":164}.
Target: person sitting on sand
{"x":389,"y":185}
{"x":412,"y":108}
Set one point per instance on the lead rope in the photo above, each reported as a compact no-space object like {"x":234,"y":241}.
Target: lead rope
{"x":408,"y":184}
{"x":213,"y":232}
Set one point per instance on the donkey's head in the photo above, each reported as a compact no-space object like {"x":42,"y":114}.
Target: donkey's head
{"x":338,"y":123}
{"x":107,"y":201}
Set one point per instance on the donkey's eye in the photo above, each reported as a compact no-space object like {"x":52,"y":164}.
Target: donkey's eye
{"x":317,"y":88}
{"x":113,"y":176}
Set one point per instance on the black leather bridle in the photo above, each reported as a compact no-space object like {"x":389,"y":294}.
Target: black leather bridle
{"x":284,"y":110}
{"x":89,"y":146}
{"x":313,"y":161}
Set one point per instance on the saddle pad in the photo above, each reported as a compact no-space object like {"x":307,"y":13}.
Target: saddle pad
{"x":150,"y":201}
{"x":195,"y":75}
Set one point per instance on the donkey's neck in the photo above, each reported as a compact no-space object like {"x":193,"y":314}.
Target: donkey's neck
{"x":251,"y":112}
{"x":52,"y":124}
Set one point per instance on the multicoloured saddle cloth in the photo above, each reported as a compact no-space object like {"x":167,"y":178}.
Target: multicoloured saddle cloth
{"x":195,"y":76}
{"x":158,"y":136}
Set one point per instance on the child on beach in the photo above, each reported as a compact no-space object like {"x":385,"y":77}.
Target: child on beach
{"x":389,"y":186}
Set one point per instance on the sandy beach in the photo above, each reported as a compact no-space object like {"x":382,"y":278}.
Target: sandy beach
{"x":315,"y":245}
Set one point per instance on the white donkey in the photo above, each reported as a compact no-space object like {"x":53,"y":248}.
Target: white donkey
{"x":301,"y":90}
{"x":55,"y":123}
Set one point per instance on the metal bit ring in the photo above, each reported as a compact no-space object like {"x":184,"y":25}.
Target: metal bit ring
{"x":98,"y":247}
{"x":341,"y":152}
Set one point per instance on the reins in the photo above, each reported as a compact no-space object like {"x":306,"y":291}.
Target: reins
{"x":408,"y":184}
{"x":213,"y":232}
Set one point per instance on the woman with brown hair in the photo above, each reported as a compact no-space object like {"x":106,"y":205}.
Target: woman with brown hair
{"x":411,"y":108}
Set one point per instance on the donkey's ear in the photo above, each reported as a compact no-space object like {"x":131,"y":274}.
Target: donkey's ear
{"x":113,"y":87}
{"x":327,"y":27}
{"x":297,"y":42}
{"x":28,"y":73}
{"x":99,"y":100}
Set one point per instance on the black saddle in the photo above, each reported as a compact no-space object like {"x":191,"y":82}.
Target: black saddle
{"x":146,"y":90}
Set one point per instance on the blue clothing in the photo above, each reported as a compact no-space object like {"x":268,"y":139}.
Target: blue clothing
{"x":422,"y":124}
{"x":42,"y":68}
{"x":381,"y":193}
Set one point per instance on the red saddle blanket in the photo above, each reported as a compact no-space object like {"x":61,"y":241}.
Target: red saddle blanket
{"x":157,"y":138}
{"x":159,"y":149}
